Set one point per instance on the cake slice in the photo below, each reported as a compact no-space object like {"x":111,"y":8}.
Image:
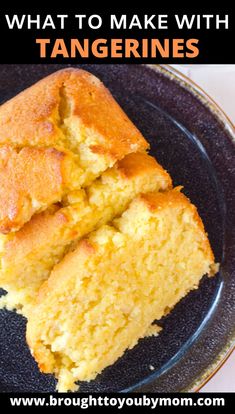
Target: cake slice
{"x":58,"y":135}
{"x":28,"y":256}
{"x":104,"y":296}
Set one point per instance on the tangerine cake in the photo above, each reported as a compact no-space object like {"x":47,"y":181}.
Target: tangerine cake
{"x":105,"y":294}
{"x":55,"y":137}
{"x":28,"y":256}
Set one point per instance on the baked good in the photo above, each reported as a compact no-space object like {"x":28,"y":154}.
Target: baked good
{"x":31,"y":180}
{"x":28,"y":256}
{"x":104,"y":296}
{"x":57,"y":136}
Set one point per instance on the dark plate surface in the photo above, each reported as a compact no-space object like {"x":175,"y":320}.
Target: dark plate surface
{"x":194,"y":142}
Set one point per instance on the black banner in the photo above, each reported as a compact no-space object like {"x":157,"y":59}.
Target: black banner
{"x":152,"y":35}
{"x":119,"y":401}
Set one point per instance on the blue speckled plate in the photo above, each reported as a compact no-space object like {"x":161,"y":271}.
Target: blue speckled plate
{"x":194,"y":141}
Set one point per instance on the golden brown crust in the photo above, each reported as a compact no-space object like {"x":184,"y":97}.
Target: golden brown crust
{"x":31,"y":178}
{"x":141,"y":163}
{"x":34,"y":116}
{"x":156,"y":201}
